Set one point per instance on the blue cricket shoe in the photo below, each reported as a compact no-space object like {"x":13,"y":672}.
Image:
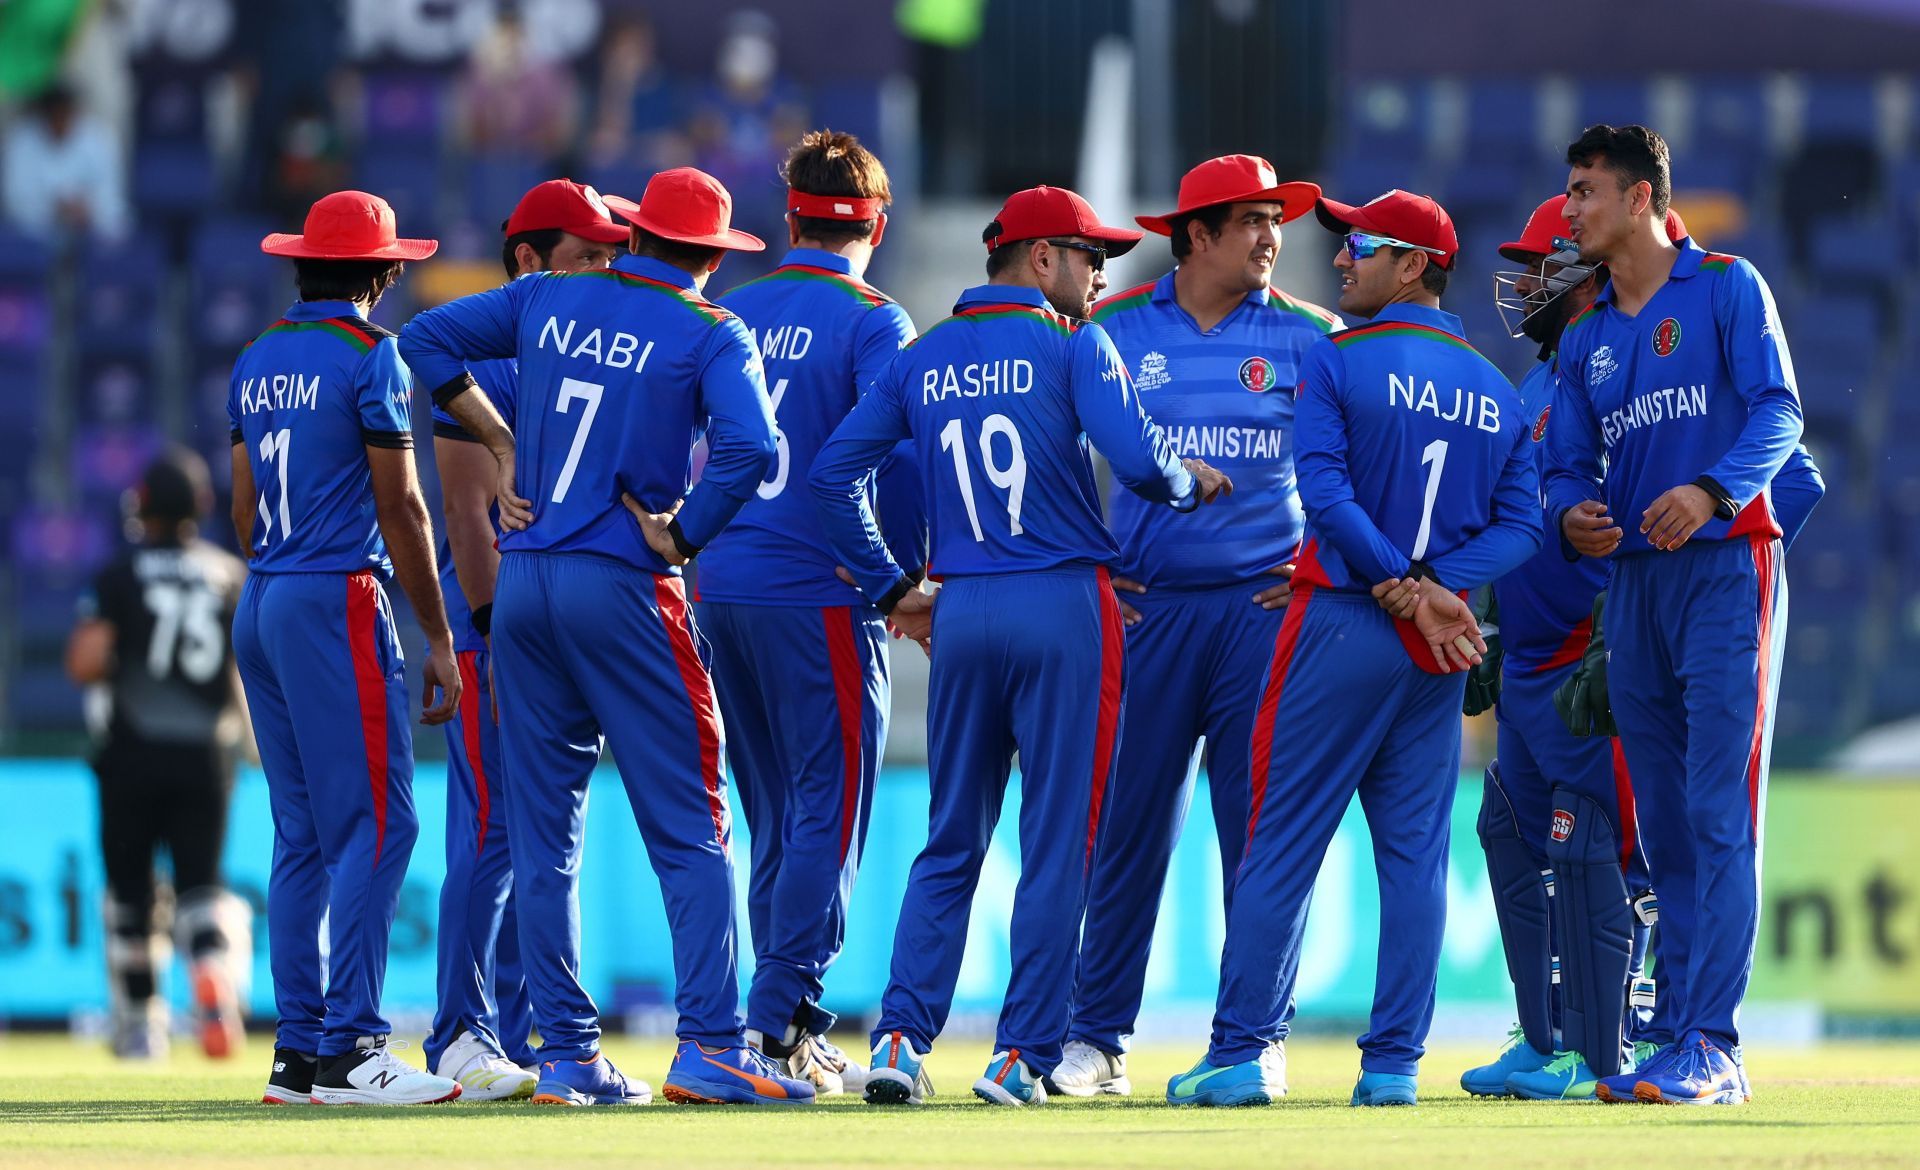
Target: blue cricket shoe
{"x":1377,"y":1088}
{"x":1618,"y":1088}
{"x":894,"y":1073}
{"x":738,"y":1075}
{"x":1699,"y":1072}
{"x":1490,"y":1080}
{"x":1221,"y":1085}
{"x":593,"y":1081}
{"x":1567,"y":1077}
{"x":1008,"y":1081}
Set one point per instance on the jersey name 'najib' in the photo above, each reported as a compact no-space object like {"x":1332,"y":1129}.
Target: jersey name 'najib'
{"x":500,"y":380}
{"x":824,"y":335}
{"x":1411,"y":447}
{"x":1225,"y":396}
{"x":620,"y":369}
{"x":308,"y":397}
{"x":1004,"y":402}
{"x":1698,"y":384}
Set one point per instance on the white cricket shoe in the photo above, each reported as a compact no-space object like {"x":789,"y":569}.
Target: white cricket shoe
{"x":821,"y":1062}
{"x":372,"y":1075}
{"x":1273,"y":1067}
{"x":484,"y":1074}
{"x":1085,"y":1071}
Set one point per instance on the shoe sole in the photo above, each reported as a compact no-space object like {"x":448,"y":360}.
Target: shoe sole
{"x":993,"y":1093}
{"x":1650,"y":1093}
{"x":1491,"y":1094}
{"x":356,"y":1097}
{"x":1116,"y":1087}
{"x":271,"y":1098}
{"x":1226,"y":1099}
{"x":1383,"y":1101}
{"x":221,"y":1032}
{"x":882,"y":1089}
{"x":583,"y":1100}
{"x":524,"y":1088}
{"x":683,"y":1095}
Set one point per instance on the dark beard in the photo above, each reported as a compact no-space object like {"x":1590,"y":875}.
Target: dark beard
{"x":1545,"y":327}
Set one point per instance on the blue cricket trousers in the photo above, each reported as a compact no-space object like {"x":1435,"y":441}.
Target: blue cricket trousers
{"x":481,"y":986}
{"x":1379,"y":726}
{"x":1033,"y":663}
{"x":326,"y":686}
{"x":805,"y":694}
{"x":1194,"y":665}
{"x":586,"y":646}
{"x":1695,"y":639}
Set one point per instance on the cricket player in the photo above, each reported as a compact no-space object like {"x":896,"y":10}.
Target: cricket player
{"x":1003,"y":401}
{"x":1679,"y":410}
{"x":326,"y":506}
{"x":480,"y":1028}
{"x":155,"y":636}
{"x":1417,"y":481}
{"x":621,"y":369}
{"x":1215,"y":351}
{"x":800,"y":656}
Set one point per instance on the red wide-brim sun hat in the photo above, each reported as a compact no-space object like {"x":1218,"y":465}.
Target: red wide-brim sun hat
{"x":348,"y":225}
{"x":688,"y":206}
{"x":1234,"y":178}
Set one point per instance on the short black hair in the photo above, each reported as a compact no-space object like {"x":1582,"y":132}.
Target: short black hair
{"x":1214,"y":219}
{"x":1635,"y":153}
{"x":1001,"y":258}
{"x":345,"y":280}
{"x":690,"y":257}
{"x":1433,"y":278}
{"x":543,"y":241}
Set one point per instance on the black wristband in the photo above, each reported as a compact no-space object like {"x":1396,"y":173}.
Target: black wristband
{"x":916,"y":574}
{"x":448,"y":391}
{"x":1424,"y":571}
{"x":681,"y":544}
{"x":483,"y":619}
{"x":894,"y":596}
{"x":1723,"y":507}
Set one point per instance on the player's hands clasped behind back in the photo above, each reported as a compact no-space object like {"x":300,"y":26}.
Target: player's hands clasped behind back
{"x":442,"y":671}
{"x":913,"y":618}
{"x":515,"y":513}
{"x":1589,"y":529}
{"x":1446,"y":622}
{"x":653,"y":527}
{"x":1208,"y":484}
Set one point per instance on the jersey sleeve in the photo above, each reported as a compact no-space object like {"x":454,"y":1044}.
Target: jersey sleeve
{"x":497,"y":380}
{"x":1112,"y":416}
{"x":739,"y":431}
{"x":1574,"y":461}
{"x":1326,"y":484}
{"x":383,"y":395}
{"x":1755,"y":348}
{"x":1797,"y":488}
{"x":438,"y":344}
{"x":901,"y":503}
{"x":1514,"y":533}
{"x":233,"y":407}
{"x":869,"y":433}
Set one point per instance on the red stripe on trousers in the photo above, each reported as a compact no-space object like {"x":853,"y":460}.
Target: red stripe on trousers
{"x":1573,"y":649}
{"x":1623,"y":804}
{"x":849,"y":686}
{"x":1113,"y":650}
{"x":670,"y":596}
{"x":363,"y":631}
{"x":470,"y":725}
{"x":1765,"y":552}
{"x":1261,"y":750}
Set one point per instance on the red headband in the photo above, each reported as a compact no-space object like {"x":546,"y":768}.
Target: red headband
{"x":844,"y":207}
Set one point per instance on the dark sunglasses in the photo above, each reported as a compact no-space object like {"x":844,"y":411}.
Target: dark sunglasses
{"x":1098,"y":254}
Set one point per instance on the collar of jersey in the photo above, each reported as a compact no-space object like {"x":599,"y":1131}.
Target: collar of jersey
{"x":1163,"y":291}
{"x":818,"y":258}
{"x":1001,"y":294}
{"x":653,"y":269}
{"x":320,"y":310}
{"x":1685,"y":266}
{"x":1420,"y":315}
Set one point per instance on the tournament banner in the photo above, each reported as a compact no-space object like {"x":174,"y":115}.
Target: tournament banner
{"x":1840,"y":926}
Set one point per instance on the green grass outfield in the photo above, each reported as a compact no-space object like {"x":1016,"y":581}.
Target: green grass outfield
{"x":65,"y":1104}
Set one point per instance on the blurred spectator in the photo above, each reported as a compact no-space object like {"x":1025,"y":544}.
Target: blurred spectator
{"x":747,"y":119}
{"x":636,"y":112}
{"x":64,"y":172}
{"x":309,"y":157}
{"x":515,"y":103}
{"x":291,"y":65}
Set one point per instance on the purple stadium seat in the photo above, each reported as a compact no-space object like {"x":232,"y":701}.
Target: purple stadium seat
{"x":176,"y":177}
{"x":108,"y":460}
{"x":406,"y":108}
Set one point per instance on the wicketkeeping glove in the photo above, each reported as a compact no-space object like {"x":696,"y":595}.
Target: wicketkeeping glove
{"x":1483,"y":681}
{"x":1582,"y":700}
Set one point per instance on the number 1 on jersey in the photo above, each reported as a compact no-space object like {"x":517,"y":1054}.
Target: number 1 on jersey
{"x":588,"y":392}
{"x":1435,"y":454}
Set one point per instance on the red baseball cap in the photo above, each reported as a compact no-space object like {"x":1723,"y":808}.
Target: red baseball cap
{"x":348,"y":225}
{"x":1549,"y":220}
{"x":1234,"y":178}
{"x":688,"y":206}
{"x":1398,"y":215}
{"x":1038,"y":212}
{"x":574,"y":208}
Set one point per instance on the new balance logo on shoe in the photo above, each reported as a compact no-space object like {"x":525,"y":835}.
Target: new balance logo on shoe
{"x":383,"y":1079}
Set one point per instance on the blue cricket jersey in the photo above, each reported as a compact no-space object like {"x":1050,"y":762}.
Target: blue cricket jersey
{"x":824,"y":336}
{"x":500,"y":381}
{"x":1411,"y":447}
{"x":1225,"y":396}
{"x":620,"y":370}
{"x":1002,"y":401}
{"x":308,"y":397}
{"x":1698,"y":386}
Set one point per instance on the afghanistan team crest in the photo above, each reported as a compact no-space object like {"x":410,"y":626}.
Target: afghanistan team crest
{"x":1666,"y":337}
{"x":1540,"y":424}
{"x":1257,"y":374}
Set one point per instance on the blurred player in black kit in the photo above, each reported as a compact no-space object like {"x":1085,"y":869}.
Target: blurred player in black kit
{"x":154,"y":641}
